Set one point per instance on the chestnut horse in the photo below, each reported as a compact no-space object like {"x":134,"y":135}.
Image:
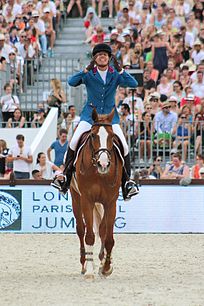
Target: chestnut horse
{"x":97,"y":180}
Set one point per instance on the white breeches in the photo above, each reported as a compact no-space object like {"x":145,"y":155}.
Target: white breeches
{"x":85,"y":126}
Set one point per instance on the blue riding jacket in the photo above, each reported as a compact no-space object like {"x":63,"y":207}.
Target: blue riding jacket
{"x":100,"y":95}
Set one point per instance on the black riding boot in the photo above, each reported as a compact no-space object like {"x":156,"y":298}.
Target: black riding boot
{"x":129,"y":187}
{"x":68,"y":169}
{"x":63,"y":185}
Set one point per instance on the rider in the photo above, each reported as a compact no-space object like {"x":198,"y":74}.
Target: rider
{"x":101,"y":82}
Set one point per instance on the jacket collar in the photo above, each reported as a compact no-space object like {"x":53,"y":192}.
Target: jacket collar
{"x":110,"y":69}
{"x":108,"y":77}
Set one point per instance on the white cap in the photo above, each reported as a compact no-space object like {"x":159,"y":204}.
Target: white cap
{"x":190,"y":97}
{"x":46,"y":10}
{"x":201,"y":171}
{"x":155,"y":95}
{"x":114,"y":32}
{"x":173,"y":151}
{"x":126,"y":32}
{"x":35,"y":14}
{"x":173,"y":98}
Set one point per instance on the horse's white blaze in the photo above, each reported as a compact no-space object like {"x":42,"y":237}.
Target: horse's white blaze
{"x":103,"y":136}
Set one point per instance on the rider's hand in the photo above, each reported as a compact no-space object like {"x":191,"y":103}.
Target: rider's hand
{"x":116,"y":64}
{"x":91,"y":64}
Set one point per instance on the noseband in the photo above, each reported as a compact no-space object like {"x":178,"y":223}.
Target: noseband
{"x":96,"y":154}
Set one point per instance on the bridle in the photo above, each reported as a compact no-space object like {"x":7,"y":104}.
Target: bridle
{"x":96,"y":154}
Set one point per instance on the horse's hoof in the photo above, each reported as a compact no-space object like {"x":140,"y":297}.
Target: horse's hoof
{"x":89,"y":277}
{"x":83,"y":271}
{"x":107,"y":273}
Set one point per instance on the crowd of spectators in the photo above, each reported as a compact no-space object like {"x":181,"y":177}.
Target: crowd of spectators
{"x":159,"y":43}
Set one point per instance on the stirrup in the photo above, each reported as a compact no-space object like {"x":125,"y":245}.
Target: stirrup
{"x":131,"y":190}
{"x":58,"y":184}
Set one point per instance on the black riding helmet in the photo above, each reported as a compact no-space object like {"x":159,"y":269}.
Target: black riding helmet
{"x":102,"y":48}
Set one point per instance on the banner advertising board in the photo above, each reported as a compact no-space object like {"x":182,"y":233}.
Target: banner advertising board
{"x":157,"y":209}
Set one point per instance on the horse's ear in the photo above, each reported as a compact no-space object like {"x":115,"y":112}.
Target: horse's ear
{"x":94,"y":115}
{"x":111,"y":115}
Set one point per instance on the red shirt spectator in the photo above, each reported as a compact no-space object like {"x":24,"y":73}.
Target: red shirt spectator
{"x":190,"y":98}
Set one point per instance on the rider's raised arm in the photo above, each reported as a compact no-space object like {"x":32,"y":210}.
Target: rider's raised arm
{"x":126,"y":80}
{"x":77,"y":79}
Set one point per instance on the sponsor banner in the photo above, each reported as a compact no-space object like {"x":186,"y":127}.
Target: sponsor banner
{"x":157,"y":209}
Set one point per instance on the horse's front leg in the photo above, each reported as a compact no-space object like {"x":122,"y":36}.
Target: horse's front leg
{"x":102,"y":234}
{"x":80,"y":226}
{"x":87,"y":210}
{"x":110,"y":213}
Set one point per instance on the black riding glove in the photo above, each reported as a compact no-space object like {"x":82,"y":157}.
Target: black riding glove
{"x":91,"y":64}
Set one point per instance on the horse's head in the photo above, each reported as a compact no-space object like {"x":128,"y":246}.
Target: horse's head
{"x":102,"y":140}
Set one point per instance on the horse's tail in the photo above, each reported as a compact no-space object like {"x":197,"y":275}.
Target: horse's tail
{"x":98,"y":213}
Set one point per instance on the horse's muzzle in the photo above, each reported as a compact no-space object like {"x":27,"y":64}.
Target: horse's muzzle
{"x":103,"y":169}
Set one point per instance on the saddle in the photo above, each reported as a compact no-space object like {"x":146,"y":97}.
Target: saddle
{"x":85,"y":136}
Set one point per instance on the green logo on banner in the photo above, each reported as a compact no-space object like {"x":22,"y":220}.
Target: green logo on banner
{"x":10,"y":210}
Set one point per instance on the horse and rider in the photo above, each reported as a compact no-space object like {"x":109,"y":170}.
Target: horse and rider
{"x":101,"y":81}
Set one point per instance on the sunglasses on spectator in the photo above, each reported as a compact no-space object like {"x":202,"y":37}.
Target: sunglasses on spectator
{"x":149,"y":108}
{"x":166,"y":107}
{"x":158,"y":160}
{"x":183,"y":117}
{"x":154,"y":100}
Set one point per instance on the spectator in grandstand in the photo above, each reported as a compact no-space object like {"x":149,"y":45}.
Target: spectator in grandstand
{"x":57,"y":95}
{"x":21,"y":157}
{"x":49,"y":31}
{"x":136,"y":57}
{"x":199,"y":130}
{"x":178,"y":91}
{"x":201,"y":172}
{"x":98,"y":37}
{"x":60,"y":147}
{"x":193,"y":102}
{"x":126,"y":120}
{"x":18,"y":120}
{"x":145,"y":133}
{"x":2,"y":63}
{"x":154,"y":73}
{"x":3,"y":154}
{"x":183,"y":132}
{"x":198,"y":54}
{"x":40,"y":28}
{"x":39,"y":118}
{"x":70,"y":5}
{"x":148,"y":82}
{"x":121,"y":94}
{"x":198,"y":85}
{"x":135,"y":103}
{"x":165,"y":87}
{"x":72,"y":122}
{"x":154,"y":100}
{"x":156,"y":169}
{"x":176,"y":170}
{"x":159,"y":51}
{"x":184,"y":72}
{"x":91,"y":21}
{"x":46,"y":168}
{"x":148,"y":109}
{"x":36,"y":174}
{"x":4,"y":47}
{"x":8,"y":103}
{"x":165,"y":121}
{"x":195,"y":172}
{"x":174,"y":104}
{"x":15,"y":68}
{"x":186,"y":110}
